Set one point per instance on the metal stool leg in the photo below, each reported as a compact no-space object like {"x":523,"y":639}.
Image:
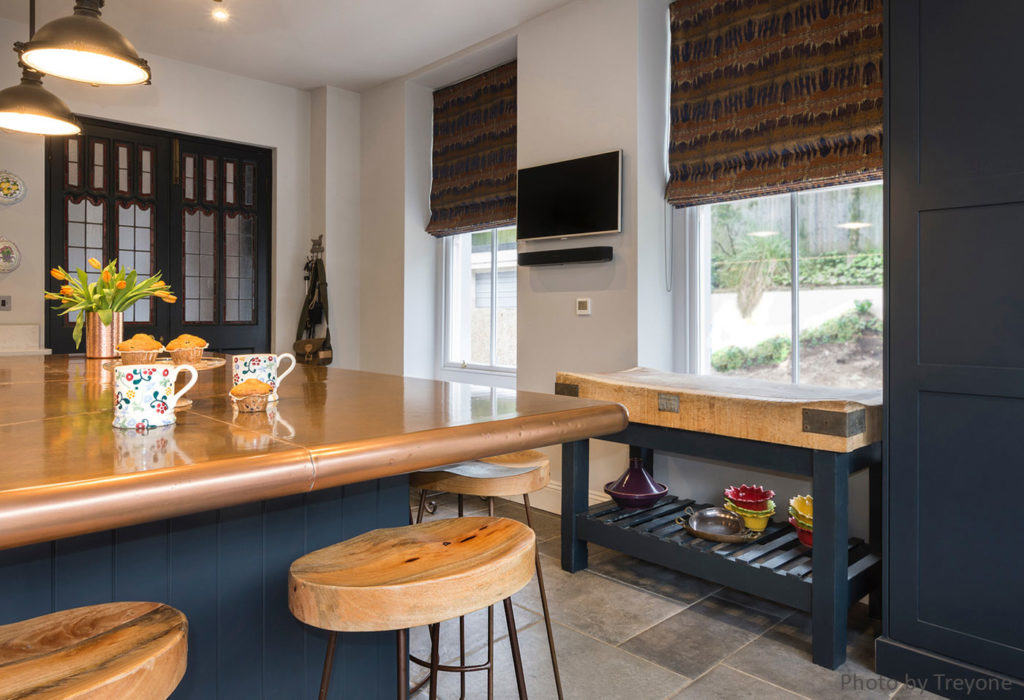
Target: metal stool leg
{"x":513,"y":640}
{"x":434,"y":658}
{"x":423,"y":505}
{"x":491,"y":652}
{"x":462,"y":633}
{"x":544,"y":604}
{"x":403,"y":665}
{"x":325,"y":679}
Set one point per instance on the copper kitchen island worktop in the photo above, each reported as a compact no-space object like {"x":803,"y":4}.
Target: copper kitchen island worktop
{"x":65,"y":471}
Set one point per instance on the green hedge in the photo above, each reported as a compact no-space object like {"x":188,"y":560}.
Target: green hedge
{"x":827,"y":270}
{"x":774,"y":351}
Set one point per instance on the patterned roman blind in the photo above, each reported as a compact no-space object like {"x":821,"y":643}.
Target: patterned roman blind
{"x":474,"y":163}
{"x":773,"y":96}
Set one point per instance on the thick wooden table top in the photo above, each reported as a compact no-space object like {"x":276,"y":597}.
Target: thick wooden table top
{"x":823,"y":418}
{"x":64,"y":470}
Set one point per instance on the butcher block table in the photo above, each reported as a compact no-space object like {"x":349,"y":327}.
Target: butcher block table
{"x":207,"y":515}
{"x":821,"y":433}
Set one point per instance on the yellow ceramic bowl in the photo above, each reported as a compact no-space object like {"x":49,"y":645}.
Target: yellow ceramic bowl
{"x":806,"y":524}
{"x":804,"y":506}
{"x":757,"y":523}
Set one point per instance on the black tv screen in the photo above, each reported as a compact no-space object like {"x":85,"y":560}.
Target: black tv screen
{"x":571,"y":198}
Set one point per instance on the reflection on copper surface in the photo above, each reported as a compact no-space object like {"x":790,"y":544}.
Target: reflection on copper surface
{"x":139,"y":451}
{"x":64,"y":473}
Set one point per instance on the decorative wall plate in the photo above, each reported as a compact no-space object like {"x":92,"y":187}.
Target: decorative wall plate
{"x":12,"y":188}
{"x":10,"y":256}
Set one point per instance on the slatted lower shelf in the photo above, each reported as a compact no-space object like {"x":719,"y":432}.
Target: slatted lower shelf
{"x":776,"y":566}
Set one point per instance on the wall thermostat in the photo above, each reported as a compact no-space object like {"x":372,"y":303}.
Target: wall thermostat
{"x":583,"y":307}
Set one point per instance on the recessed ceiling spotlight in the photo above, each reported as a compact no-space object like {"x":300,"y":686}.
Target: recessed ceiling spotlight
{"x":219,"y":13}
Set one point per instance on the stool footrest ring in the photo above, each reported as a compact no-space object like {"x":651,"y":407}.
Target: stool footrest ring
{"x":453,"y":669}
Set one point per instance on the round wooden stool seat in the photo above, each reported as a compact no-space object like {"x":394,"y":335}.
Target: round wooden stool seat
{"x":115,"y":650}
{"x":511,"y":474}
{"x":410,"y":576}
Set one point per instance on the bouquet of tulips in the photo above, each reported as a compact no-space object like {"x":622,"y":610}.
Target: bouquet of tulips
{"x":116,"y":290}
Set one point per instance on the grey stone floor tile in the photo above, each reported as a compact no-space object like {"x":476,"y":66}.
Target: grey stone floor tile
{"x":476,"y":635}
{"x":908,"y":693}
{"x":696,"y":639}
{"x":553,"y":549}
{"x":605,"y":609}
{"x":653,"y":578}
{"x":752,"y":601}
{"x":547,"y":525}
{"x":591,"y":670}
{"x":783,"y":657}
{"x":724,"y":682}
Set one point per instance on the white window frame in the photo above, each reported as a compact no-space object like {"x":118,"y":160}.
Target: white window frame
{"x":691,"y":226}
{"x":492,"y":374}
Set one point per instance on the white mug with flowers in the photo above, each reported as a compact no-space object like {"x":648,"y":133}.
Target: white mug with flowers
{"x":144,"y":395}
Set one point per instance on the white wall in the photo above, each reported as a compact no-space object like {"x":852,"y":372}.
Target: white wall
{"x":189,"y":99}
{"x":334,"y":210}
{"x":422,"y":250}
{"x":583,"y":87}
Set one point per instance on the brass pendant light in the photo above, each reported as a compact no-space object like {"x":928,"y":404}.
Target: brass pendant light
{"x":83,"y":47}
{"x":31,"y":108}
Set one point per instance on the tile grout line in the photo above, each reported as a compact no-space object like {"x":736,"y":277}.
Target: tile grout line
{"x":758,"y":678}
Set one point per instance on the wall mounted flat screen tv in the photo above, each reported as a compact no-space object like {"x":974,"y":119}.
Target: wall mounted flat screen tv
{"x":571,"y":198}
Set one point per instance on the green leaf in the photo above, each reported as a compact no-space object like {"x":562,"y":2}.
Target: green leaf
{"x":106,"y":316}
{"x":77,"y":332}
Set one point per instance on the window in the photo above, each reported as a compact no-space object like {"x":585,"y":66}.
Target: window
{"x":791,"y":286}
{"x":480,"y":300}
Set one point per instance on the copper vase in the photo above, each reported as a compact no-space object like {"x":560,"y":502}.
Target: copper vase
{"x":101,"y":340}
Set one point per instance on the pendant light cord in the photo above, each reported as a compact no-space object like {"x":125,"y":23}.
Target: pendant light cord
{"x":31,"y":19}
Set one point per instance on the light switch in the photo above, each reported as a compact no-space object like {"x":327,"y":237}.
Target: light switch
{"x":5,"y":303}
{"x":583,"y":307}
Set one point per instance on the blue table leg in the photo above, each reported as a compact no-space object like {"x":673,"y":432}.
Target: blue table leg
{"x":830,"y":591}
{"x":575,"y":484}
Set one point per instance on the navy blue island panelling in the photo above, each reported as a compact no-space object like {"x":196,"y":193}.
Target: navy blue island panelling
{"x":227,"y":570}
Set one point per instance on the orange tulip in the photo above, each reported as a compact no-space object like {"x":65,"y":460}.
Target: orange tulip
{"x":94,"y":264}
{"x":57,"y":274}
{"x":121,"y":284}
{"x":66,"y":290}
{"x":169,"y":298}
{"x":106,"y":276}
{"x":158,"y":284}
{"x":51,"y":295}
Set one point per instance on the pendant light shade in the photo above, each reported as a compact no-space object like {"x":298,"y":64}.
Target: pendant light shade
{"x":31,"y":108}
{"x":83,"y":47}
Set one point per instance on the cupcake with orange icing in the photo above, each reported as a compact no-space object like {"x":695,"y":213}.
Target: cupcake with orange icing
{"x":187,"y":349}
{"x":140,"y":349}
{"x":251,"y":395}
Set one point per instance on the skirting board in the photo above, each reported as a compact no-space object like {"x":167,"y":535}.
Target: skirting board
{"x":549,"y":498}
{"x":941,"y":675}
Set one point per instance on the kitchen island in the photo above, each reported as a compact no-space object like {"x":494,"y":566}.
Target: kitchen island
{"x":207,"y":515}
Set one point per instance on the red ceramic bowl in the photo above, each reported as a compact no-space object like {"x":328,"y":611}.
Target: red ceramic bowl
{"x":750,"y":497}
{"x":805,"y":536}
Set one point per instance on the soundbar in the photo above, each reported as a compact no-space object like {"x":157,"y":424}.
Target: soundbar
{"x":563,"y":256}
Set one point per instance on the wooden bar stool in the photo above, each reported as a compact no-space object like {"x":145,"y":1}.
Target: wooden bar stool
{"x":114,"y":650}
{"x":503,"y":476}
{"x":403,"y":577}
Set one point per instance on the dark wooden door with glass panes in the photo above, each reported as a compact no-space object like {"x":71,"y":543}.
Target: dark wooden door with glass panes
{"x":196,"y":209}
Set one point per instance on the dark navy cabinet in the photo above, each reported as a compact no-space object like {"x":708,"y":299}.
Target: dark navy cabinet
{"x":954,"y":471}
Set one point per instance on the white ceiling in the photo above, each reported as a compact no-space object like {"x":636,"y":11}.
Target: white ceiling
{"x":353,"y":44}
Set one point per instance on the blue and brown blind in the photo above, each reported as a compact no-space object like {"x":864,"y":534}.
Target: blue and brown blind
{"x":771,"y":96}
{"x":474,"y":161}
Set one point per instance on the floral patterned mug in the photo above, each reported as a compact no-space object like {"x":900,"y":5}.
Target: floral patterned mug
{"x":144,"y":394}
{"x":262,"y":367}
